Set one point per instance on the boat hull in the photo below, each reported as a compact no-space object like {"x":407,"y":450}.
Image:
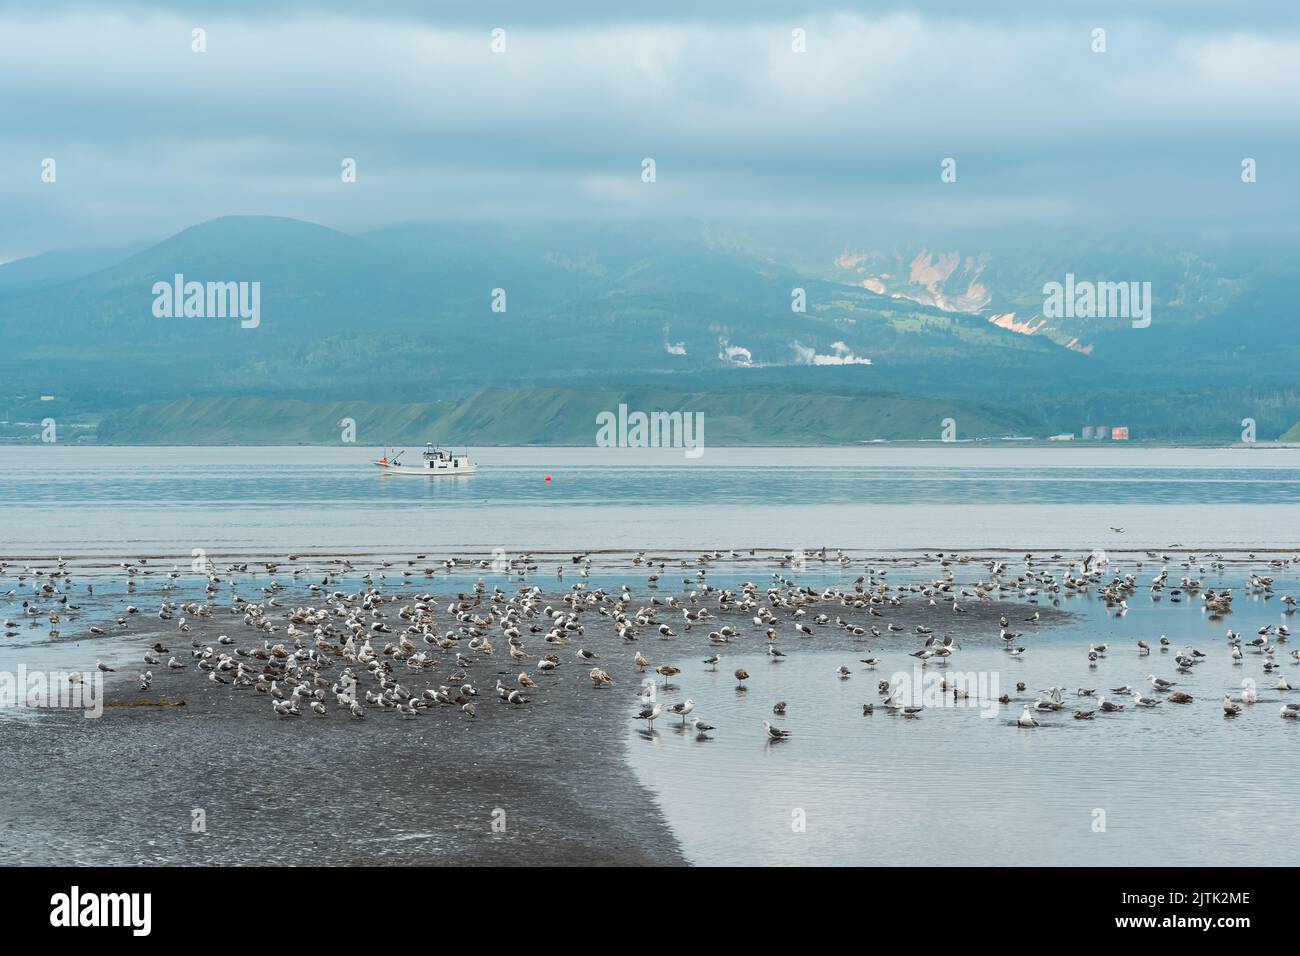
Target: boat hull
{"x":426,"y":472}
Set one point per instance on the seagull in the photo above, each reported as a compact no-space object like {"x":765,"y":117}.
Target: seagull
{"x":683,"y":709}
{"x":742,"y":675}
{"x":1026,"y":719}
{"x":1230,"y":708}
{"x":1291,"y":710}
{"x":666,"y":671}
{"x":701,"y":728}
{"x":1141,"y":701}
{"x":1106,"y":707}
{"x":776,"y":733}
{"x":1159,"y":683}
{"x":712,"y":661}
{"x":104,"y":667}
{"x":649,"y":713}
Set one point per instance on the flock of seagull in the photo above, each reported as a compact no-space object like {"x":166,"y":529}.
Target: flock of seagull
{"x":373,"y":648}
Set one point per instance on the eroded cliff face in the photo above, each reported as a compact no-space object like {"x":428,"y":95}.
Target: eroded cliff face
{"x":952,"y":281}
{"x":945,"y":280}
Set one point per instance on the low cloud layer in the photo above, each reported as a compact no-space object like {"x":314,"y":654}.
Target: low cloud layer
{"x":150,"y":137}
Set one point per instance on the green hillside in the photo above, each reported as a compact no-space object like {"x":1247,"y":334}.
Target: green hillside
{"x":558,"y":416}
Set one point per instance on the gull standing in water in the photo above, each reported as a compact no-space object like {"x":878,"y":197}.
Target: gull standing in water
{"x":649,"y":713}
{"x":683,"y":709}
{"x":1026,"y":719}
{"x":776,"y":733}
{"x":701,"y":728}
{"x":666,"y":671}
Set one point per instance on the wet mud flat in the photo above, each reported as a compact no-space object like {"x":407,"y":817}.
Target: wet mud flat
{"x":542,"y":783}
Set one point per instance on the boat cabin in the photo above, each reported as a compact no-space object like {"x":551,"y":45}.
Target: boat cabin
{"x":440,"y":459}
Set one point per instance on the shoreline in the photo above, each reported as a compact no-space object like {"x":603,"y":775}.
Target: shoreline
{"x":472,"y":556}
{"x":865,"y":443}
{"x":320,"y":791}
{"x":121,"y":789}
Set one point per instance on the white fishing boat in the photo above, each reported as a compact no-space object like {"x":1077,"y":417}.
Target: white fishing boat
{"x":433,"y":461}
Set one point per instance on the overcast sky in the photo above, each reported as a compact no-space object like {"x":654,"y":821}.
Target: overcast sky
{"x":150,"y":137}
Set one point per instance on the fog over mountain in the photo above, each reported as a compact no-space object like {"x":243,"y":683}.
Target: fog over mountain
{"x":871,"y":198}
{"x":406,"y":315}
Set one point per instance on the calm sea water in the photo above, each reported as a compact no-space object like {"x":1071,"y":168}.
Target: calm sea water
{"x":1169,"y":785}
{"x":963,"y":785}
{"x":162,"y":500}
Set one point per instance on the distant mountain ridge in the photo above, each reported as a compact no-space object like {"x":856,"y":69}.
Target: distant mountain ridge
{"x":404,"y":315}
